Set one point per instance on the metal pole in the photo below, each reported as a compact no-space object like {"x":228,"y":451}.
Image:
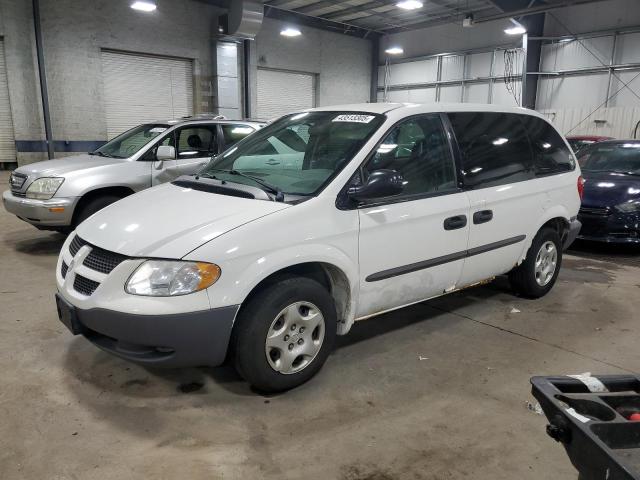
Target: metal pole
{"x":375,"y":53}
{"x":246,"y":92}
{"x":43,"y":79}
{"x":438,"y":78}
{"x":611,"y":63}
{"x":523,"y":89}
{"x":491,"y":73}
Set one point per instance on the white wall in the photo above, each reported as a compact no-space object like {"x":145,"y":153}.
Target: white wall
{"x":566,"y":99}
{"x":342,"y":63}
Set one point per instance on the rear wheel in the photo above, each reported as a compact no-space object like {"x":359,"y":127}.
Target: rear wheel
{"x":92,"y":206}
{"x":534,"y":277}
{"x":285,"y":334}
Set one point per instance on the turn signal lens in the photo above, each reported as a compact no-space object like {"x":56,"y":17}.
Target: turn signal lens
{"x":209,"y":274}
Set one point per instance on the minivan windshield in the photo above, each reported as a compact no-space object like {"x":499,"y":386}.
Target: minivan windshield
{"x":297,"y":154}
{"x":131,"y":141}
{"x":608,"y":157}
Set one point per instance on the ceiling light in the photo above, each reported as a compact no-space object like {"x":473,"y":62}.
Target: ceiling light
{"x":144,"y":6}
{"x":290,"y":32}
{"x":515,"y":29}
{"x":409,"y":4}
{"x":394,"y":51}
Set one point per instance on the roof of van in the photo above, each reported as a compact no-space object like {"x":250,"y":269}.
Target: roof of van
{"x":413,"y":108}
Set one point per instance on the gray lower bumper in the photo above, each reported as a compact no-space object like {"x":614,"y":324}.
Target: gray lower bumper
{"x":574,"y":229}
{"x":179,"y":340}
{"x":38,"y":212}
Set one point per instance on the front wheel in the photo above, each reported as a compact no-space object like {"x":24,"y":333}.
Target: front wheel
{"x":285,"y":334}
{"x":534,"y":277}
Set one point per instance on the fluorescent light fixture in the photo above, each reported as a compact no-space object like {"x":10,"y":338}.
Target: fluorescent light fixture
{"x":515,"y":29}
{"x":500,"y":141}
{"x":144,"y":6}
{"x":394,"y":51}
{"x":290,"y":32}
{"x":409,"y":4}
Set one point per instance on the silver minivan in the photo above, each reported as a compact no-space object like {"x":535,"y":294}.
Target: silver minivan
{"x":59,"y":194}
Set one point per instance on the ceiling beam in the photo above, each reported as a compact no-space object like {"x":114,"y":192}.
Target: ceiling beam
{"x":533,"y":10}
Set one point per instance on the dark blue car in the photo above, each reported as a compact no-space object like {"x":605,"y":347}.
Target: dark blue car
{"x":610,"y":210}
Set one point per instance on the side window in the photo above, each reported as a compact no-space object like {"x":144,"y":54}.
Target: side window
{"x":151,"y":153}
{"x":419,"y":151}
{"x":196,"y":141}
{"x":550,"y":153}
{"x":494,"y":147}
{"x":234,"y":133}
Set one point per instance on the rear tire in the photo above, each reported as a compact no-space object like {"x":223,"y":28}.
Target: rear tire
{"x":534,"y":277}
{"x":92,"y":206}
{"x":284,"y":334}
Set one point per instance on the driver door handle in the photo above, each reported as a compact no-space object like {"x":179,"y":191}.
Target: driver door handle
{"x":454,"y":223}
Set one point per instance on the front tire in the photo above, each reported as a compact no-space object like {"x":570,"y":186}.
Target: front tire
{"x":534,"y":277}
{"x":94,"y":205}
{"x":284,"y":334}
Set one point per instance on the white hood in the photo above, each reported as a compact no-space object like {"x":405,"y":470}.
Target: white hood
{"x":169,"y":221}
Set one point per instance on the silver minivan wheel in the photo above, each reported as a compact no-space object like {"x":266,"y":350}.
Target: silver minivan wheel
{"x":295,"y":337}
{"x":546,"y":263}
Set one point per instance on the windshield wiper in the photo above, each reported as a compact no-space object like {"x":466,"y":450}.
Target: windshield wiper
{"x":279,"y":195}
{"x":99,"y":154}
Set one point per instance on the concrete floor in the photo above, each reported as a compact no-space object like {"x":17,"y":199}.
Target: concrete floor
{"x":435,"y":391}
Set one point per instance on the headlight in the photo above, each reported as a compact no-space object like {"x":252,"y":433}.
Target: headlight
{"x":166,"y":278}
{"x":44,"y":188}
{"x":631,"y":206}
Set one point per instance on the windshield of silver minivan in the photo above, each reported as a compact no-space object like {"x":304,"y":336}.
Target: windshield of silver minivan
{"x":297,"y":154}
{"x":131,"y":141}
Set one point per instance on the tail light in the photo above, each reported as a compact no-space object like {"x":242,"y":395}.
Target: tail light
{"x":581,"y":187}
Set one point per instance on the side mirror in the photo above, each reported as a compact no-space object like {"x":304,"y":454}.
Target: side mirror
{"x":381,"y":183}
{"x":166,"y":152}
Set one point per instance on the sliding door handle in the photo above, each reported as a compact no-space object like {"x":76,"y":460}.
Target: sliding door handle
{"x":483,"y":216}
{"x":453,"y":223}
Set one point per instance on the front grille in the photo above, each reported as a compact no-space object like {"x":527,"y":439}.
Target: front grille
{"x":63,"y":269}
{"x":599,"y":211}
{"x":16,"y":180}
{"x":76,"y":244}
{"x":102,"y":260}
{"x":84,"y":285}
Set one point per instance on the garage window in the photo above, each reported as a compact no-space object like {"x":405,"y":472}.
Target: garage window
{"x":494,"y":147}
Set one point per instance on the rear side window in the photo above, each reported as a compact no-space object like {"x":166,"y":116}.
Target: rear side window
{"x":550,"y":153}
{"x":233,"y":133}
{"x":494,"y":148}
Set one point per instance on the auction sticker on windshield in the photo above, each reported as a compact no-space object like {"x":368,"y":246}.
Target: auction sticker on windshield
{"x":354,"y":118}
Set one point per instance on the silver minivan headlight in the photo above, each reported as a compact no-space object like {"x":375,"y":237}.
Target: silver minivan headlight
{"x":44,"y":188}
{"x":167,"y":278}
{"x":631,"y":206}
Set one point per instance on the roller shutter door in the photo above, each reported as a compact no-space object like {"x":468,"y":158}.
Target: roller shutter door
{"x":140,"y":88}
{"x":281,"y":92}
{"x":7,"y":144}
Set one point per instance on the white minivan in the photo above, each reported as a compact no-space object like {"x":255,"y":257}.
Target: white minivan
{"x":322,"y":218}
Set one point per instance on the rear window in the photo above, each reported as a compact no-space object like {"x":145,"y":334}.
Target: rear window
{"x":550,"y":153}
{"x":494,"y":147}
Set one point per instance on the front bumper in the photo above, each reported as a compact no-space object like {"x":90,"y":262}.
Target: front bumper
{"x":616,"y":227}
{"x":38,"y":212}
{"x":174,"y":340}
